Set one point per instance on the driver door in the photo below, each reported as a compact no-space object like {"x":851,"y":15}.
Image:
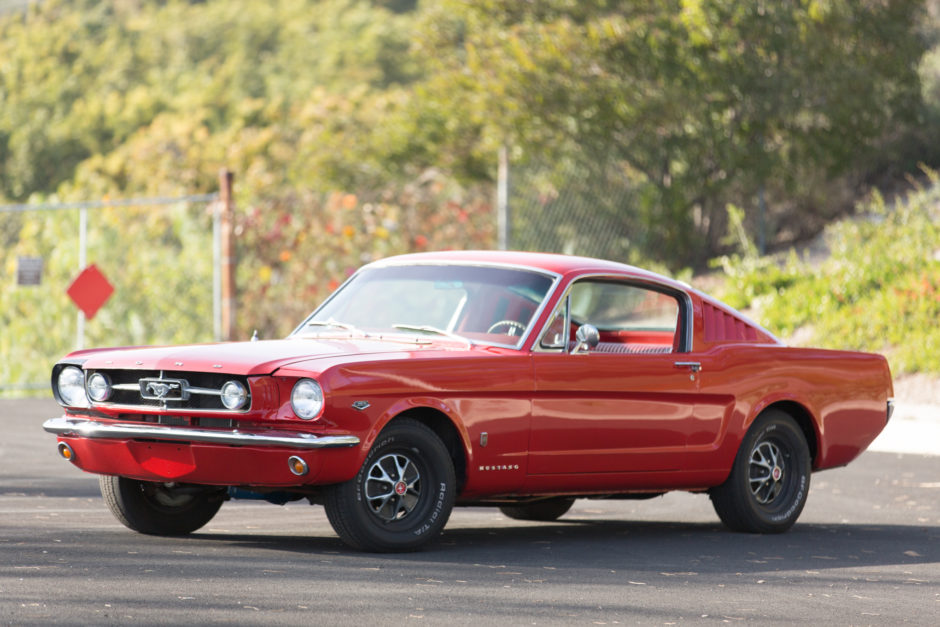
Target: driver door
{"x":624,"y":405}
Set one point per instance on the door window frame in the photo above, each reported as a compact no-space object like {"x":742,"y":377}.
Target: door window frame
{"x":683,"y":322}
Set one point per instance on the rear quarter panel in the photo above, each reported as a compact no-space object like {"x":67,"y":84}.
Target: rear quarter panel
{"x":844,"y":394}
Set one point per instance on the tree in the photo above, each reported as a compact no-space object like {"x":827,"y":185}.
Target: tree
{"x":699,"y":102}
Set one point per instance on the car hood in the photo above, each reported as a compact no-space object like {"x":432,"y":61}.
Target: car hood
{"x":253,"y":358}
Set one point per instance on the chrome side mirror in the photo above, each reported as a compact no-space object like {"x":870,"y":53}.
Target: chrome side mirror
{"x":587,"y":338}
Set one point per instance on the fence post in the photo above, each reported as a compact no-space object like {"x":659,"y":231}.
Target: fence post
{"x":503,"y":224}
{"x":82,"y":262}
{"x":228,"y":261}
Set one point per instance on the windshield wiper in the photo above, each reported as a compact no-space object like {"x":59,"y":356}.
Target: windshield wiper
{"x":429,"y":329}
{"x":331,"y":323}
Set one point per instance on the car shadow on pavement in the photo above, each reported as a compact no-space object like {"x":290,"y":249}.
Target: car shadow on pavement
{"x":657,"y":546}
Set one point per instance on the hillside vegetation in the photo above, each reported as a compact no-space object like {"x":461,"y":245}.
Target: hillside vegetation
{"x":879,"y":290}
{"x":363,"y":128}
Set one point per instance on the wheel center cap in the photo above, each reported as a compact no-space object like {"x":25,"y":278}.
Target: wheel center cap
{"x":400,"y":488}
{"x":776,"y":473}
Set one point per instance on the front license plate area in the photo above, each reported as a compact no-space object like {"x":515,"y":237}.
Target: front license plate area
{"x":170,"y":460}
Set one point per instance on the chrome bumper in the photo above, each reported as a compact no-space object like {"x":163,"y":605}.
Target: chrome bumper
{"x":80,"y":427}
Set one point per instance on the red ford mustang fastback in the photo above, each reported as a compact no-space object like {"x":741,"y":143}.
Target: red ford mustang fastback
{"x":518,"y":380}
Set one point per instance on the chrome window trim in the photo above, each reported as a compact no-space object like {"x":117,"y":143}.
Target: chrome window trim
{"x":390,"y":263}
{"x":684,"y":324}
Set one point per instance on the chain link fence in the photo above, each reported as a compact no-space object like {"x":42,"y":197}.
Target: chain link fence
{"x":158,"y":254}
{"x":162,"y":255}
{"x":589,"y":210}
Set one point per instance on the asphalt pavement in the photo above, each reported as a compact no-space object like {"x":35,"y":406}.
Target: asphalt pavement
{"x":866,"y":551}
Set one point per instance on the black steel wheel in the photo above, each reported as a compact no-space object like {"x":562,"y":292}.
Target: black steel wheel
{"x":402,"y":496}
{"x":769,"y":482}
{"x":544,"y":510}
{"x":162,"y":509}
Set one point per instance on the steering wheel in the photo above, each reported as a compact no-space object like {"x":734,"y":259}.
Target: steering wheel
{"x":512,"y":324}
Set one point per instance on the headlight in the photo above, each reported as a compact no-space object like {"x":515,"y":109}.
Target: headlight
{"x":307,"y":399}
{"x":99,"y":387}
{"x":71,"y":384}
{"x":234,"y":395}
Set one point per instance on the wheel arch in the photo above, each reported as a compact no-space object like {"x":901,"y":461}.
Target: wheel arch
{"x":804,"y":420}
{"x":442,"y":425}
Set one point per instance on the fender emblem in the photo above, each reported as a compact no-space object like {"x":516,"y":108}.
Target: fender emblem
{"x":361,"y":405}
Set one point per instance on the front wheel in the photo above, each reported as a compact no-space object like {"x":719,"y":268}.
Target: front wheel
{"x":769,"y":482}
{"x":162,"y":509}
{"x":402,"y":496}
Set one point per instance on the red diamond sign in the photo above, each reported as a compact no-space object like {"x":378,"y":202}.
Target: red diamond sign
{"x":90,"y":290}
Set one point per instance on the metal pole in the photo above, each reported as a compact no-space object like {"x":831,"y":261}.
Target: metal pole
{"x":217,"y":271}
{"x":227,"y":229}
{"x":82,"y":262}
{"x":503,"y":223}
{"x":762,"y":225}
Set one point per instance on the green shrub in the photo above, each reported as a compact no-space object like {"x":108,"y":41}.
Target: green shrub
{"x":879,"y":290}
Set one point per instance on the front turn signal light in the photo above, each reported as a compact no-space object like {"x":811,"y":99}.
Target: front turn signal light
{"x":297,"y":466}
{"x":66,"y":452}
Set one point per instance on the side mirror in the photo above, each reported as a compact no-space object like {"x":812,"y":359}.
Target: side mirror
{"x":587,"y":337}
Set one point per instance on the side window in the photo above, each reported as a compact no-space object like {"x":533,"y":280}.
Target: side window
{"x":630,"y":318}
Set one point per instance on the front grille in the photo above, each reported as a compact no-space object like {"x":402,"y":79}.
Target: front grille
{"x":183,"y":421}
{"x":165,"y":389}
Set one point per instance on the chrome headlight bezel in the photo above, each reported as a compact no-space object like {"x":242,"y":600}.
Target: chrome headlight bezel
{"x":233,"y":395}
{"x":98,"y":387}
{"x":70,"y":387}
{"x":306,"y":399}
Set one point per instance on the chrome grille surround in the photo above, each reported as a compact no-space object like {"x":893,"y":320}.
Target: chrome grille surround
{"x":169,"y":390}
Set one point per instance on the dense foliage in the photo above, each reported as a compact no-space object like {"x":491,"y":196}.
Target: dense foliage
{"x":690,"y":104}
{"x":363,"y":128}
{"x":698,"y":103}
{"x":878,"y":291}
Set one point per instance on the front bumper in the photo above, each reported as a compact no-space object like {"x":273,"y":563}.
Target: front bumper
{"x":150,"y":452}
{"x":80,"y":427}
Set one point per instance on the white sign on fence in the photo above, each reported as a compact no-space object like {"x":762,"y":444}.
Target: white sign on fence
{"x":28,"y":270}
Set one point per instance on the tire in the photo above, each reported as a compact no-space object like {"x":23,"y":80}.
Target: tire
{"x":402,"y":496}
{"x":156,"y":508}
{"x":769,"y":482}
{"x":544,"y":511}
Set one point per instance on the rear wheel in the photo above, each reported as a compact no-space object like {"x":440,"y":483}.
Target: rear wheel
{"x":402,"y":496}
{"x":544,"y":510}
{"x":158,"y":508}
{"x":769,"y":482}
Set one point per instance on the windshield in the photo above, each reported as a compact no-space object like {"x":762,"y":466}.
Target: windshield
{"x":477,"y":303}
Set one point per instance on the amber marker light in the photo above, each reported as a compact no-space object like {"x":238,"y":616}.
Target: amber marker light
{"x":297,"y":465}
{"x":66,"y":451}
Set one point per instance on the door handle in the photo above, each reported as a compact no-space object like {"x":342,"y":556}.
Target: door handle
{"x":694,"y":366}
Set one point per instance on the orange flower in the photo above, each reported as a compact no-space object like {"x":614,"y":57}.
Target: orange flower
{"x":285,"y":256}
